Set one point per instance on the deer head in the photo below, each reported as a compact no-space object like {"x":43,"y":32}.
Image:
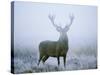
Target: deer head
{"x":59,"y":28}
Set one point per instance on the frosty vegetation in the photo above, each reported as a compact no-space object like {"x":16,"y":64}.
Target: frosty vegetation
{"x":83,"y":58}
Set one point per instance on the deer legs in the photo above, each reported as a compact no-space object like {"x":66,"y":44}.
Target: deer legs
{"x":43,"y":58}
{"x":39,"y":60}
{"x":58,"y":60}
{"x":64,"y":58}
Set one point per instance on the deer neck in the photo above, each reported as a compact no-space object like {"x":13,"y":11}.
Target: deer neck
{"x":63,"y":38}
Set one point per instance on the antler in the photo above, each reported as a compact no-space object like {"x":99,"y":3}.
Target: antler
{"x":71,"y":20}
{"x":52,"y":18}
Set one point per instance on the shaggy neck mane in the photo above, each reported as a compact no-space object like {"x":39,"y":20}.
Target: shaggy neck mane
{"x":63,"y":38}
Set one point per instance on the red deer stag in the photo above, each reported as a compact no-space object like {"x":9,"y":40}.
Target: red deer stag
{"x":56,"y":48}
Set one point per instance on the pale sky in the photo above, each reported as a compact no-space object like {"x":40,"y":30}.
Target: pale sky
{"x":32,"y":25}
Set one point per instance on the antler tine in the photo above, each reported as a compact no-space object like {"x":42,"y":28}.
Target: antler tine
{"x":71,"y":16}
{"x":52,"y":18}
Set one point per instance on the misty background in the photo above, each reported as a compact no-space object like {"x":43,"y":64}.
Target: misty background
{"x":32,"y":25}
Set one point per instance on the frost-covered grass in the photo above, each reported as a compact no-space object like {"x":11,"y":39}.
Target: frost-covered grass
{"x":26,"y":61}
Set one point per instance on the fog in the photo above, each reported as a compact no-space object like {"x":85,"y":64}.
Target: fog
{"x":32,"y":25}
